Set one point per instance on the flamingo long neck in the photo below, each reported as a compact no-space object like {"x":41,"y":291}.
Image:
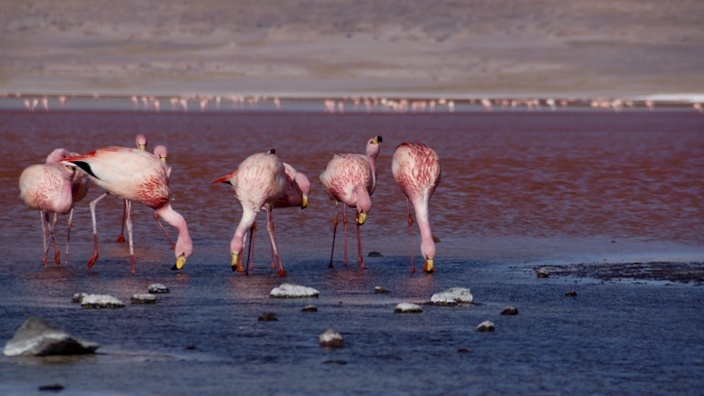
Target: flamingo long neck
{"x":362,"y":200}
{"x":372,"y":165}
{"x":427,"y":245}
{"x":184,"y":244}
{"x":248,"y":217}
{"x":65,"y":202}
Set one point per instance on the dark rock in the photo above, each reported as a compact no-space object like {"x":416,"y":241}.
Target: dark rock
{"x":78,"y":298}
{"x":38,"y":338}
{"x":331,"y":339}
{"x":190,"y":347}
{"x":542,"y":273}
{"x":463,"y":350}
{"x":339,"y":362}
{"x":51,"y":388}
{"x":375,"y":254}
{"x":485,"y":326}
{"x":381,"y":290}
{"x":268,"y":317}
{"x":571,"y":293}
{"x":309,"y":308}
{"x":510,"y":310}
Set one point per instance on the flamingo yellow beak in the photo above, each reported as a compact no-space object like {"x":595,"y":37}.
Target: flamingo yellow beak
{"x":180,"y":262}
{"x":361,"y":218}
{"x":428,"y":266}
{"x":304,"y":201}
{"x":163,"y":159}
{"x":143,"y":147}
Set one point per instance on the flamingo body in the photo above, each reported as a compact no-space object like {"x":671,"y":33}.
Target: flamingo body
{"x":351,"y":179}
{"x":416,"y":169}
{"x":259,"y":181}
{"x":134,"y":175}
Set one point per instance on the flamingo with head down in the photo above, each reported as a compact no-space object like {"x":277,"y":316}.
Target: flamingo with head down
{"x":259,"y":181}
{"x":134,"y":175}
{"x":53,"y":188}
{"x":351,"y":179}
{"x":416,"y":168}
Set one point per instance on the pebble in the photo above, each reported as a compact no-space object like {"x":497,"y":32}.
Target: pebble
{"x":510,"y":310}
{"x":288,"y":290}
{"x":375,"y":254}
{"x":408,"y":308}
{"x":268,"y":317}
{"x":51,"y":388}
{"x":331,"y":339}
{"x":380,"y":290}
{"x":96,"y":301}
{"x":452,"y":296}
{"x":542,"y":273}
{"x":309,"y":308}
{"x":78,"y":298}
{"x":143,"y":299}
{"x":571,"y":293}
{"x":485,"y":326}
{"x":158,"y":288}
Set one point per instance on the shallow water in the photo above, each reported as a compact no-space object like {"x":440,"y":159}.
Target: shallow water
{"x":518,"y":190}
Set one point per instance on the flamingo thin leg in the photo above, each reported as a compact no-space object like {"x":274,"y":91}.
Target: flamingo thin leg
{"x":250,"y":249}
{"x":95,"y":255}
{"x":275,"y":250}
{"x":334,"y":231}
{"x":68,"y":233}
{"x":128,"y":223}
{"x":57,"y":251}
{"x":344,"y":234}
{"x":410,"y":234}
{"x":46,"y":246}
{"x":121,"y":237}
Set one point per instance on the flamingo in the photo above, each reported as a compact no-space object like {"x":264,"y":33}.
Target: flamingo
{"x":416,"y":168}
{"x":53,"y":188}
{"x":259,"y":181}
{"x":141,"y":143}
{"x":133,"y":175}
{"x":351,"y":179}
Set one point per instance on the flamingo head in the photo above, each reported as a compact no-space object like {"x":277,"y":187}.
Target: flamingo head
{"x":364,"y":203}
{"x":236,"y":248}
{"x":304,"y":184}
{"x":373,"y":146}
{"x":160,"y":152}
{"x":427,"y":249}
{"x":57,"y":155}
{"x":141,"y":142}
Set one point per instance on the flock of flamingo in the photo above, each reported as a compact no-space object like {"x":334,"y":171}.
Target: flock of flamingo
{"x":261,"y":182}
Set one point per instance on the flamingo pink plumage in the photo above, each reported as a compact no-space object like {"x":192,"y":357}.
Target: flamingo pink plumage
{"x":53,"y":188}
{"x":134,"y":175}
{"x":259,"y":181}
{"x":416,"y":168}
{"x":141,"y":143}
{"x":351,"y":179}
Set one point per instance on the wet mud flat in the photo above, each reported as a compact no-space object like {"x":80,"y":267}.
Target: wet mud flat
{"x":692,"y":273}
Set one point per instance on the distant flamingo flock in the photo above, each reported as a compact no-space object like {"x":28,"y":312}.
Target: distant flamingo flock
{"x":353,"y":103}
{"x":261,"y":182}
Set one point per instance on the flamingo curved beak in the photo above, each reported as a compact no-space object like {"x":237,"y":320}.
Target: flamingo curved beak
{"x":361,"y":218}
{"x":304,"y":201}
{"x":180,"y":262}
{"x":428,"y":266}
{"x":236,"y":265}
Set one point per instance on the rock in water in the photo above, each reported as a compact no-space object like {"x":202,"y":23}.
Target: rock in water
{"x":38,"y":338}
{"x":101,"y":301}
{"x":287,"y":290}
{"x":510,"y":310}
{"x":452,"y":296}
{"x":331,"y":339}
{"x":309,"y":308}
{"x":78,"y":298}
{"x":485,"y":326}
{"x":143,"y":299}
{"x":542,"y":273}
{"x":158,"y":288}
{"x":380,"y":290}
{"x":408,"y":308}
{"x":268,"y":317}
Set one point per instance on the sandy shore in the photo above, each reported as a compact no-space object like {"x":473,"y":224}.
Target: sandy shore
{"x":544,"y":47}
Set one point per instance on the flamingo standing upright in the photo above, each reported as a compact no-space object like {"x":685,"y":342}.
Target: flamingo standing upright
{"x":351,"y":179}
{"x":134,"y":175}
{"x":53,"y":188}
{"x":259,"y":181}
{"x":416,"y":168}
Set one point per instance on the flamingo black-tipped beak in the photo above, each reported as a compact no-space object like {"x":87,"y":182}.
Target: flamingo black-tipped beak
{"x":428,"y":266}
{"x":236,"y":266}
{"x":361,"y":218}
{"x":304,"y":201}
{"x":180,"y":262}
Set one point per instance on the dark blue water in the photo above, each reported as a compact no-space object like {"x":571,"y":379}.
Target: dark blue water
{"x":518,"y":190}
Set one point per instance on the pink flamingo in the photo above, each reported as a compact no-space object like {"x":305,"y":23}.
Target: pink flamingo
{"x":133,"y":175}
{"x":53,"y":188}
{"x":351,"y":179}
{"x":259,"y":181}
{"x":416,"y":168}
